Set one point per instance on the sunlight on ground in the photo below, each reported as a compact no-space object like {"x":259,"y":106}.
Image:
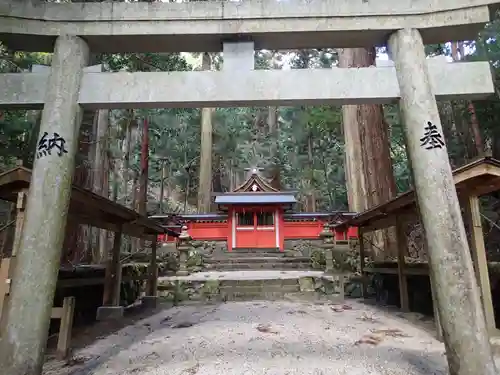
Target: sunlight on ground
{"x":264,"y":338}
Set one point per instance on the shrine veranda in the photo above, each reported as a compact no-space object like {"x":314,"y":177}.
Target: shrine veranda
{"x":74,"y":31}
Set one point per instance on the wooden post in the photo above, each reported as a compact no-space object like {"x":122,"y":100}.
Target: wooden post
{"x":362,"y":262}
{"x":20,"y":206}
{"x":402,"y":251}
{"x":8,"y":265}
{"x":4,"y":282}
{"x":473,"y":218}
{"x":117,"y":284}
{"x":64,"y":337}
{"x":153,"y":270}
{"x":111,"y":295}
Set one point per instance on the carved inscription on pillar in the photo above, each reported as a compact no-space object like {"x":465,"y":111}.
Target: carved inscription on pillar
{"x":46,"y":144}
{"x":432,"y":138}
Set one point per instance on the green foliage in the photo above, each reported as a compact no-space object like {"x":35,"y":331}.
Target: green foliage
{"x":308,"y":146}
{"x":18,"y":129}
{"x":130,"y":290}
{"x":194,"y":261}
{"x":145,"y":62}
{"x":318,"y":260}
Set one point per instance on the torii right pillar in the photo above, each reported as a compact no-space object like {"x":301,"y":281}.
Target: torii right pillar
{"x":464,"y":330}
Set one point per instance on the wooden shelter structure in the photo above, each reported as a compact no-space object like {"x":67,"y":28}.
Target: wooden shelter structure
{"x":88,"y":208}
{"x":471,"y":181}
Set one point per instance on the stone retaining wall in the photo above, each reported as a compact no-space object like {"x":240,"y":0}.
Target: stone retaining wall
{"x":302,"y":247}
{"x":204,"y":291}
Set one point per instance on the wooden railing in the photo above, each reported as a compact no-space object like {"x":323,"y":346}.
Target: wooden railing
{"x":64,"y":313}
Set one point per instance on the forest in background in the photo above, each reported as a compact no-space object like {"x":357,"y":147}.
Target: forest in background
{"x":124,"y":153}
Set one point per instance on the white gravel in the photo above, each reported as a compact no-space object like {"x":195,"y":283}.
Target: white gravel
{"x":224,"y":339}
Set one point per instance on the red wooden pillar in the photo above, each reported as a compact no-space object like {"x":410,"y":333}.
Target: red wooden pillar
{"x":281,"y":228}
{"x":231,"y":228}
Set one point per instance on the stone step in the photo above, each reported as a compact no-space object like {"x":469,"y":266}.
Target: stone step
{"x":344,"y":248}
{"x":257,"y":259}
{"x":260,"y":289}
{"x":258,"y":254}
{"x":277,"y":286}
{"x":251,"y":283}
{"x":255,"y":250}
{"x":247,"y":290}
{"x":261,"y":296}
{"x":257,"y":266}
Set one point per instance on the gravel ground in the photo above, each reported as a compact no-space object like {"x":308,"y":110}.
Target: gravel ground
{"x":271,"y":338}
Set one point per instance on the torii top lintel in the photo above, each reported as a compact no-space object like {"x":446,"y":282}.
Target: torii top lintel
{"x":117,"y":27}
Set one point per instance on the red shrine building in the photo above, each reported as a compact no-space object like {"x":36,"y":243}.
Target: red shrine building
{"x":255,"y":215}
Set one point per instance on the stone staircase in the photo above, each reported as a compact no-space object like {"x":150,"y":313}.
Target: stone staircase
{"x":218,"y":287}
{"x":254,"y":260}
{"x":245,"y":290}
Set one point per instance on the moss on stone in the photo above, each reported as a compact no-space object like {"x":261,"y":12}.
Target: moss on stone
{"x":179,"y":292}
{"x":211,"y":287}
{"x":306,"y":284}
{"x":318,"y":260}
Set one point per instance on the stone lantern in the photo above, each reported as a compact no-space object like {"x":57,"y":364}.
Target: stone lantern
{"x":328,"y":246}
{"x":183,"y":247}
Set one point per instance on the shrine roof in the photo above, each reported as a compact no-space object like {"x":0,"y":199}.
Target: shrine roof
{"x":479,"y":177}
{"x":209,"y":216}
{"x":256,"y":198}
{"x":255,"y":183}
{"x":298,"y":215}
{"x":86,"y":206}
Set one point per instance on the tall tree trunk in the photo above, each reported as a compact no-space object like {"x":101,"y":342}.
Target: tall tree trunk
{"x":77,"y":239}
{"x":131,"y":144}
{"x":216,"y":180}
{"x":458,"y":53}
{"x":217,"y":175}
{"x":162,"y":185}
{"x":143,"y":181}
{"x":311,"y":195}
{"x":369,"y":174}
{"x":99,"y":175}
{"x":126,"y":150}
{"x":205,"y":174}
{"x":474,"y":124}
{"x":28,"y":156}
{"x":93,"y":243}
{"x":104,"y":239}
{"x":272,"y":125}
{"x":116,"y":181}
{"x":232,"y":176}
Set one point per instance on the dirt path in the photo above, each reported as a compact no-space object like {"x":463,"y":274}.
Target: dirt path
{"x":262,"y":338}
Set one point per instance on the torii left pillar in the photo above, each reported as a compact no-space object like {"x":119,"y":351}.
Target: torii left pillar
{"x":26,"y":317}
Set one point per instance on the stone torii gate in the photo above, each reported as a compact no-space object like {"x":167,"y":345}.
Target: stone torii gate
{"x":71,"y":31}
